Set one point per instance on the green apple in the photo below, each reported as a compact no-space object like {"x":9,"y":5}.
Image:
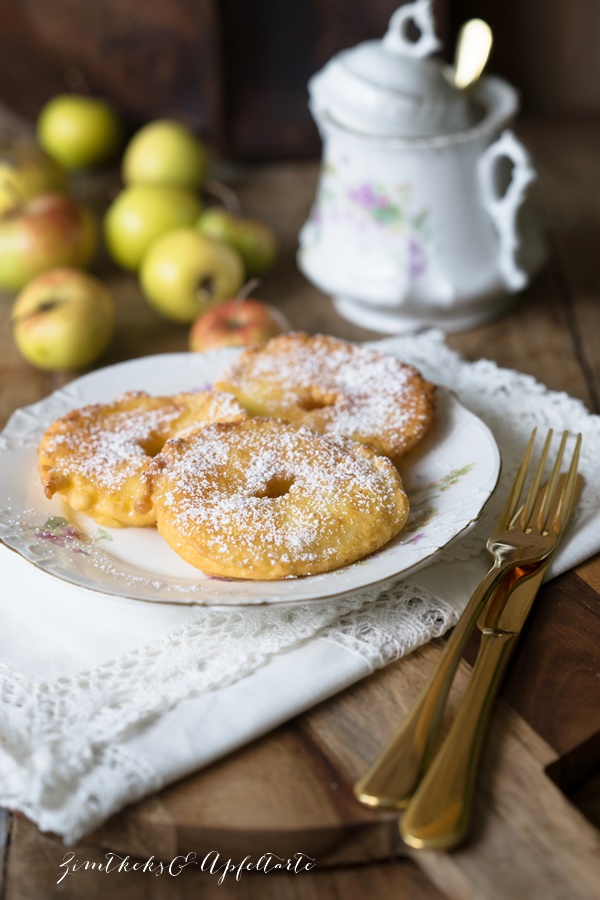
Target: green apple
{"x":184,"y":274}
{"x":253,"y":240}
{"x":140,"y":214}
{"x":237,"y":323}
{"x":25,"y":172}
{"x":44,"y":233}
{"x":79,"y":132}
{"x":63,"y":320}
{"x":165,"y":152}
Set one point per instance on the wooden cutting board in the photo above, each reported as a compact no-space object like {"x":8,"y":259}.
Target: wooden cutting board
{"x":291,"y":792}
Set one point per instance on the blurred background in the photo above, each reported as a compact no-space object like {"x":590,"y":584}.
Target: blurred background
{"x":236,"y":73}
{"x":236,"y":70}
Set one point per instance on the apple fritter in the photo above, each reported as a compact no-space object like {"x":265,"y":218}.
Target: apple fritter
{"x":335,"y":387}
{"x":263,"y":499}
{"x":97,"y":457}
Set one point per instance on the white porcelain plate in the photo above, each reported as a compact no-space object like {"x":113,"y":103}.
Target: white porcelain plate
{"x":448,"y":479}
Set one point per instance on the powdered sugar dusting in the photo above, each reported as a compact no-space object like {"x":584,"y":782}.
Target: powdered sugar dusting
{"x":107,"y":444}
{"x":336,"y":387}
{"x":262,"y":493}
{"x":108,"y":449}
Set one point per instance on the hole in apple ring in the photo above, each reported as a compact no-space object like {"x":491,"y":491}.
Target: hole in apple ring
{"x":277,"y":486}
{"x":152,"y":445}
{"x":316,"y":399}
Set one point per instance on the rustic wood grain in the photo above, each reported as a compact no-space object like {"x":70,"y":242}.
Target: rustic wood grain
{"x":586,"y":797}
{"x":527,"y":835}
{"x":152,"y":60}
{"x":503,"y":820}
{"x":590,"y":573}
{"x":554,"y":333}
{"x":569,"y":184}
{"x":293,"y":787}
{"x":551,"y":851}
{"x":5,"y":835}
{"x":547,"y":47}
{"x":561,"y":655}
{"x":236,"y":70}
{"x":35,"y":869}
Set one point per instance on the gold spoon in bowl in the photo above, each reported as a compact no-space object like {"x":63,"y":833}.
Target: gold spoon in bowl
{"x":473,"y":48}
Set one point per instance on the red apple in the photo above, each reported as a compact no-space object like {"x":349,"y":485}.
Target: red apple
{"x":44,"y":233}
{"x":235,"y":324}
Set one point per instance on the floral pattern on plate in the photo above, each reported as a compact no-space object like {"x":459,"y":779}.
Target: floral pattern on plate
{"x":447,"y":494}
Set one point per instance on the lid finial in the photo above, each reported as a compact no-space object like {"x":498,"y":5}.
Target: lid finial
{"x":396,"y":38}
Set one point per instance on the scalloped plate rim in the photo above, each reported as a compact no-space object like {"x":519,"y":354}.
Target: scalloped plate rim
{"x":82,"y":390}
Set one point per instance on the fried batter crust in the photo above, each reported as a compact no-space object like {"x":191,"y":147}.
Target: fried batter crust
{"x":335,"y":387}
{"x":264,"y":499}
{"x":97,"y":457}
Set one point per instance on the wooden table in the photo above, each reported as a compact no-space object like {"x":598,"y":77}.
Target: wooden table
{"x":538,"y":800}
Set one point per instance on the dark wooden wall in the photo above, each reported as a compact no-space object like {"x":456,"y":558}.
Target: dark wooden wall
{"x":236,"y":70}
{"x":550,"y":49}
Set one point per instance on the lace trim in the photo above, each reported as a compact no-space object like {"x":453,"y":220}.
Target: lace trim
{"x":76,"y":776}
{"x":60,"y":758}
{"x":395,"y":623}
{"x":490,"y":392}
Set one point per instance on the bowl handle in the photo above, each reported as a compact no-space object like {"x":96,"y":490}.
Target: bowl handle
{"x":503,"y":206}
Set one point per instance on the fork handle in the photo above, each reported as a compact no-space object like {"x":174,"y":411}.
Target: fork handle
{"x":392,"y":779}
{"x":439,"y":815}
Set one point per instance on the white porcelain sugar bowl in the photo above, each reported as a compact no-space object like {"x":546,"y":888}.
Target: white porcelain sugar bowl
{"x":420,"y":215}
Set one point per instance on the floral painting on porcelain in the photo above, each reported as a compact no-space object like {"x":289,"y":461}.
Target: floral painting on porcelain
{"x":373,"y":208}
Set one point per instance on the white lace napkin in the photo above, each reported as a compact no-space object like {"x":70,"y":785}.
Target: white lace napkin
{"x":104,"y":701}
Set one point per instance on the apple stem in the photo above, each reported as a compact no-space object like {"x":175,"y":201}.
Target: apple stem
{"x":225,"y":194}
{"x":246,"y":289}
{"x":205,"y":288}
{"x":46,"y":306}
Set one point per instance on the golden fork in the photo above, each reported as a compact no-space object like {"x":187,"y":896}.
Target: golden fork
{"x":524,"y":535}
{"x":439,"y":815}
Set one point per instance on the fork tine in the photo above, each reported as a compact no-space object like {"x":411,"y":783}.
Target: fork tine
{"x":567,"y":496}
{"x":535,"y":484}
{"x":511,"y":505}
{"x":552,"y":490}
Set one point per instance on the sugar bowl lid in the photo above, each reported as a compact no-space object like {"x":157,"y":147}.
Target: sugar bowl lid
{"x":393,"y":87}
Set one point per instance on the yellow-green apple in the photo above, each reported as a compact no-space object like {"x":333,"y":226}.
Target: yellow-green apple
{"x":253,"y":240}
{"x":165,"y":152}
{"x":140,"y":214}
{"x":63,"y":320}
{"x":184,"y":274}
{"x":25,"y":172}
{"x":237,"y":323}
{"x":79,"y":132}
{"x":46,"y":232}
